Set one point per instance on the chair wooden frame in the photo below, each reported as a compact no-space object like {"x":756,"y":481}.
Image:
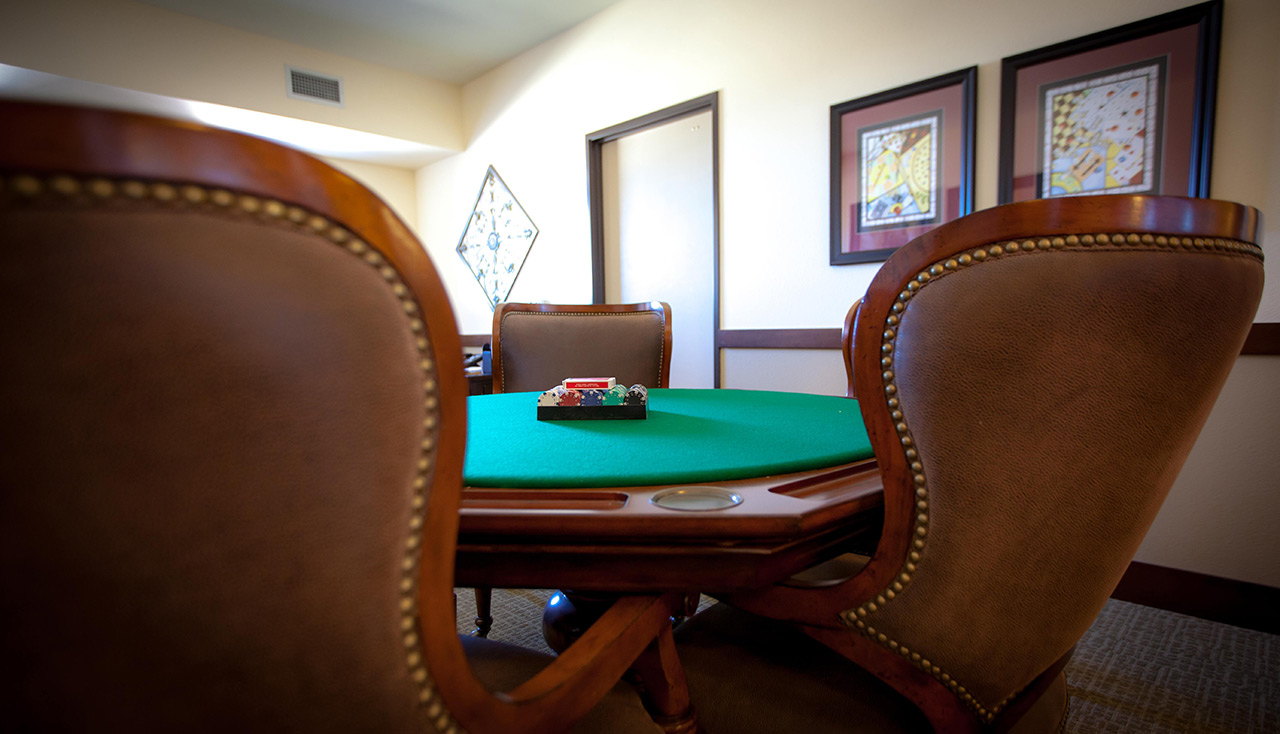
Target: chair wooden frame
{"x":56,"y":148}
{"x":819,"y":610}
{"x":846,"y":345}
{"x":598,"y":308}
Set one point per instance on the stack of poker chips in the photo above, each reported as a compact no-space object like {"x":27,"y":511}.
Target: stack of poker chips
{"x":593,"y":399}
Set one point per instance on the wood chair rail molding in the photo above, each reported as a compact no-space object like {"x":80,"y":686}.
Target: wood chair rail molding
{"x":1264,"y":339}
{"x":65,"y":149}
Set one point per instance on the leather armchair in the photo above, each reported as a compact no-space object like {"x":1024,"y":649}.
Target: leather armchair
{"x":536,"y":345}
{"x":1032,"y":378}
{"x":234,"y":424}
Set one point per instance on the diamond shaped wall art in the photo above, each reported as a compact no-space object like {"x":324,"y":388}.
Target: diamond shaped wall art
{"x":497,"y":239}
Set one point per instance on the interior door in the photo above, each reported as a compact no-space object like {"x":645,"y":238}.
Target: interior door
{"x":657,"y":194}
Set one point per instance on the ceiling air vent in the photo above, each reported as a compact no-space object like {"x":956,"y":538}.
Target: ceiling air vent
{"x":313,"y":87}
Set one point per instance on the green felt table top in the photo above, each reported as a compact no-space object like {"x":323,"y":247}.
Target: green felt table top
{"x":689,"y":436}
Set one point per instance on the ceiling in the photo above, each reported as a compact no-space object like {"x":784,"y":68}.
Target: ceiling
{"x":448,"y":40}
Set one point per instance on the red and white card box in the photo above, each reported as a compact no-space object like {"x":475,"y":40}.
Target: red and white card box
{"x":589,"y":383}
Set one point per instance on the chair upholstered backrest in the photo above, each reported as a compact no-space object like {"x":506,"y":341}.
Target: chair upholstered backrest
{"x":536,"y":345}
{"x":1032,"y":378}
{"x":233,"y":430}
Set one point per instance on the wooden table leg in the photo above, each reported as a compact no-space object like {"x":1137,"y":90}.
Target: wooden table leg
{"x":664,"y":688}
{"x":484,"y":612}
{"x":657,"y":673}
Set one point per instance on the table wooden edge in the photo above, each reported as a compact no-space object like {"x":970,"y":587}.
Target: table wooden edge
{"x":614,"y":538}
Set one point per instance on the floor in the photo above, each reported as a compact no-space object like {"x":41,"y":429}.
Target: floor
{"x":1137,"y":669}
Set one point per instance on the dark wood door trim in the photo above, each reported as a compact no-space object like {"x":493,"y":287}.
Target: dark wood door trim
{"x":595,"y":195}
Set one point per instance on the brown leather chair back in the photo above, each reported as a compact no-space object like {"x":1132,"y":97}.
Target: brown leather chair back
{"x":1032,"y":378}
{"x":234,"y":425}
{"x":233,"y":412}
{"x":536,"y":345}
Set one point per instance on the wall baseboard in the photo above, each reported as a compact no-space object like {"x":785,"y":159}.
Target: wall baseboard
{"x":1264,"y":338}
{"x":1217,"y":599}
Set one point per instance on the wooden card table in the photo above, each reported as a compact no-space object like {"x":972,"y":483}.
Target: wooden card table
{"x":716,"y":491}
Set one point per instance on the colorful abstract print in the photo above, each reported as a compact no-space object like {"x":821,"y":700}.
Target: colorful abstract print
{"x":899,"y":172}
{"x":1101,"y":134}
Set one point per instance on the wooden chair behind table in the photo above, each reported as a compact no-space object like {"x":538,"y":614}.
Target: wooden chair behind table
{"x":1032,"y":378}
{"x":536,"y":345}
{"x":234,"y":428}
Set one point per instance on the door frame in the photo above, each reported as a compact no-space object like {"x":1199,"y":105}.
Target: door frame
{"x":595,"y":197}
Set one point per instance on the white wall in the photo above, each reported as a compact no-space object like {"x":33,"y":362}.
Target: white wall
{"x":1221,"y":516}
{"x":816,"y":371}
{"x":779,"y":67}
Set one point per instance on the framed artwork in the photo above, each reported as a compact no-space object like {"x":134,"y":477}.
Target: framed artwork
{"x":901,"y":164}
{"x":497,"y":239}
{"x":1124,"y":111}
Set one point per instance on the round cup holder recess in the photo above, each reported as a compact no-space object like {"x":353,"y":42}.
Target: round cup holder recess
{"x":696,"y":499}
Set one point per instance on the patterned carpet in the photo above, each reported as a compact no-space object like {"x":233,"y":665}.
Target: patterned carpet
{"x":1138,"y":669}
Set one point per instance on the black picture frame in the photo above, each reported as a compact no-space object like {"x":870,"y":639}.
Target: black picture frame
{"x":1175,"y":145}
{"x":937,"y":112}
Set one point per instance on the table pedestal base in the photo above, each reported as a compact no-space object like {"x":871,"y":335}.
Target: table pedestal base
{"x":568,"y":614}
{"x":656,"y":674}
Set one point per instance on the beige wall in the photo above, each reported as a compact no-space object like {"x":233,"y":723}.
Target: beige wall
{"x":1220,"y":517}
{"x":779,"y":67}
{"x":816,"y":371}
{"x":128,"y":44}
{"x":398,"y":187}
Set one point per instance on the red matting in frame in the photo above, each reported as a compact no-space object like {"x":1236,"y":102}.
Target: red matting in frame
{"x":1178,"y":46}
{"x":950,"y":100}
{"x":1186,"y":41}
